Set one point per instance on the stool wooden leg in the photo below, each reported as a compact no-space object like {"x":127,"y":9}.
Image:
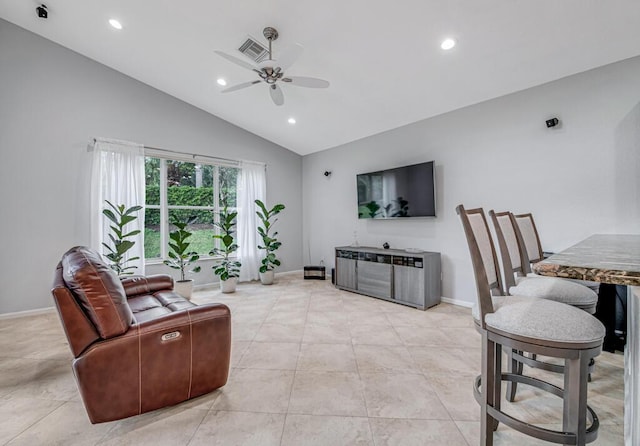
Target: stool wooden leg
{"x":574,"y":414}
{"x":514,"y":367}
{"x":488,"y":390}
{"x":497,"y":381}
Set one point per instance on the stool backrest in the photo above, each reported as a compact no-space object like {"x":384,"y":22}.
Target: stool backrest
{"x":530,"y":240}
{"x":483,"y":258}
{"x":514,"y":261}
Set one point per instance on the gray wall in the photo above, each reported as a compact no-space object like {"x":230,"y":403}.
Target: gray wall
{"x":579,"y":179}
{"x":52,"y":101}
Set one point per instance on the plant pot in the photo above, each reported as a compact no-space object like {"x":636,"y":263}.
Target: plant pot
{"x":229,"y":285}
{"x":267,"y":277}
{"x":184,"y":288}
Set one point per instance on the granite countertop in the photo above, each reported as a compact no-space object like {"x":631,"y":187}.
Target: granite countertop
{"x":601,"y":258}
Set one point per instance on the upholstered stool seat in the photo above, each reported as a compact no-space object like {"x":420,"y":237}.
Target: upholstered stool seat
{"x":567,"y":292}
{"x":546,"y":322}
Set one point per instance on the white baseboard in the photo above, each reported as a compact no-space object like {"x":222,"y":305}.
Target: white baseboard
{"x":460,"y":303}
{"x":26,"y":313}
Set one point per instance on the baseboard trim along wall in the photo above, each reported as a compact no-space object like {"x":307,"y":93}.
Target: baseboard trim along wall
{"x":460,"y":303}
{"x":26,"y":313}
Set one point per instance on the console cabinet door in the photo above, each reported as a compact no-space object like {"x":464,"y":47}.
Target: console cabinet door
{"x":408,"y":285}
{"x":346,"y":273}
{"x":374,"y":279}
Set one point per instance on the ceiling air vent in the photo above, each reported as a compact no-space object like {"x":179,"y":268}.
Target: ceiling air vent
{"x":254,"y":50}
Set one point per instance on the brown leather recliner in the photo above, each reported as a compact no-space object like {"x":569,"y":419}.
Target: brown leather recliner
{"x":138,"y":345}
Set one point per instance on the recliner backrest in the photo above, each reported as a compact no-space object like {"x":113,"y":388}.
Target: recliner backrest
{"x":98,"y":290}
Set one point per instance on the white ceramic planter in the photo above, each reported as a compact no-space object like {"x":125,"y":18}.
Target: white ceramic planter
{"x":184,"y":288}
{"x":267,"y":278}
{"x":229,"y":285}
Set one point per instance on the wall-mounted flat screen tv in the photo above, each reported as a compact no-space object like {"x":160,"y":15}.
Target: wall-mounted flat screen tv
{"x":402,"y":192}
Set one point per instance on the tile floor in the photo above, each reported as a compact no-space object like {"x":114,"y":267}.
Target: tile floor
{"x":311,"y":365}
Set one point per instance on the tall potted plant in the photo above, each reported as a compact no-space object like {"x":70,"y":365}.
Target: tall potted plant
{"x":270,"y":243}
{"x":120,"y":217}
{"x":227,"y":268}
{"x":180,"y":258}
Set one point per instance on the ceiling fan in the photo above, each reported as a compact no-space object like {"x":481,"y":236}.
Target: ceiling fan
{"x":271,"y":71}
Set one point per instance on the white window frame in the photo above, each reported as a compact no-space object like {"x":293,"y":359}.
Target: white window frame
{"x":164,"y":206}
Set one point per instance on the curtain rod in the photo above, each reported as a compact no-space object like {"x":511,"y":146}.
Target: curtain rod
{"x":194,"y":155}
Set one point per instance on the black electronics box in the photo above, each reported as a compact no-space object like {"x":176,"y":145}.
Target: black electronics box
{"x":314,"y":272}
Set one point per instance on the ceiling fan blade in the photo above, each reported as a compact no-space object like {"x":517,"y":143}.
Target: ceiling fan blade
{"x":276,"y":94}
{"x":236,"y":61}
{"x":303,"y":81}
{"x":289,"y":56}
{"x":240,"y":86}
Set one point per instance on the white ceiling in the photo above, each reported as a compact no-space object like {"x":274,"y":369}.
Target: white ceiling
{"x":382,"y":58}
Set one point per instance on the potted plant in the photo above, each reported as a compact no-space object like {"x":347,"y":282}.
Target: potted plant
{"x":180,"y":258}
{"x":120,"y":217}
{"x":227,"y":268}
{"x":269,"y":242}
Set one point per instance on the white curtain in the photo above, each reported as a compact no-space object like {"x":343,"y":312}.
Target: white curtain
{"x":252,"y":185}
{"x":117,"y":175}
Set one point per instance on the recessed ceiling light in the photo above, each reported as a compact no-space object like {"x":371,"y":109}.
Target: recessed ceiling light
{"x":291,"y":120}
{"x":221,"y":82}
{"x":116,"y":24}
{"x":447,"y":44}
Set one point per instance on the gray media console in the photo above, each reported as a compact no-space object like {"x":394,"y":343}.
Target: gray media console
{"x":409,"y":278}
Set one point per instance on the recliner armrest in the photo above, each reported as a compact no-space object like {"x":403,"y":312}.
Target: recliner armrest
{"x":134,"y":286}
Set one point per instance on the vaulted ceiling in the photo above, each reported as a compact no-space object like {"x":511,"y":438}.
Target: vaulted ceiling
{"x":383,"y":59}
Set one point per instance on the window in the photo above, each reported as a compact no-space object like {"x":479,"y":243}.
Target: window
{"x":189,"y":192}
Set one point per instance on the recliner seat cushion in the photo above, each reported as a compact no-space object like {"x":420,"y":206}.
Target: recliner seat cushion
{"x":98,"y":289}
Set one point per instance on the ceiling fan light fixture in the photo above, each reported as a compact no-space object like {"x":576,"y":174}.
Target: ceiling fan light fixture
{"x":115,"y":24}
{"x":291,"y":121}
{"x":447,"y":44}
{"x":221,"y":82}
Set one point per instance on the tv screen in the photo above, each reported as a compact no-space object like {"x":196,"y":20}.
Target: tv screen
{"x":407,"y":191}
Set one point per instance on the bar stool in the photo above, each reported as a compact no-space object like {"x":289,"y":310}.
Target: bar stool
{"x":531,"y":248}
{"x":515,"y":265}
{"x":536,"y":326}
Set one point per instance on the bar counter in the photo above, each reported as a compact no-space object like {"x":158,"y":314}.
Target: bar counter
{"x":613,"y":259}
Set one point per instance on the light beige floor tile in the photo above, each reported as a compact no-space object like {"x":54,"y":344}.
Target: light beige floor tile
{"x":464,"y":337}
{"x":280,"y":333}
{"x":237,"y":350}
{"x":368,"y":318}
{"x":436,"y":360}
{"x":18,"y":414}
{"x":256,"y":390}
{"x":331,"y":303}
{"x":270,"y":355}
{"x":327,"y":357}
{"x":455,"y":390}
{"x":66,"y":426}
{"x":326,"y":317}
{"x":327,"y":393}
{"x":310,"y":430}
{"x":243,"y":331}
{"x":425,"y":336}
{"x":401,"y":395}
{"x":50,"y":380}
{"x":221,"y":428}
{"x":398,"y":432}
{"x":326,"y":334}
{"x":374,"y":335}
{"x":384,"y":359}
{"x":169,"y":426}
{"x":287,"y":317}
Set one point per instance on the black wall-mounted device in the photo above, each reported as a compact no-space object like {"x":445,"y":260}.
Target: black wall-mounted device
{"x":42,"y":11}
{"x":552,"y":122}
